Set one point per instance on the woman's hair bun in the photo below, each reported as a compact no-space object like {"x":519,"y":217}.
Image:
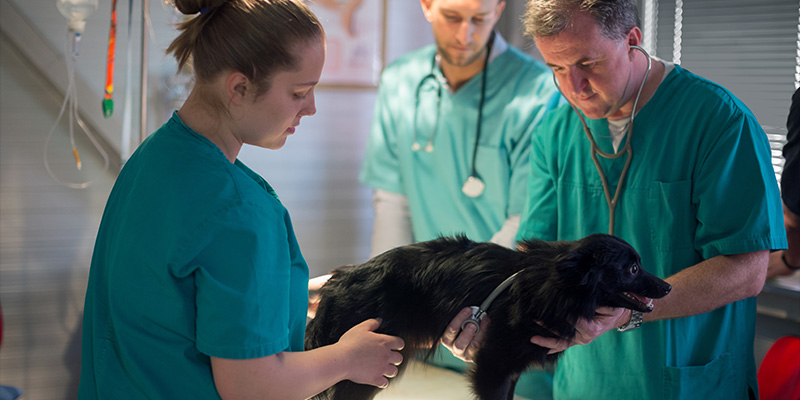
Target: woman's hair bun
{"x":190,"y":7}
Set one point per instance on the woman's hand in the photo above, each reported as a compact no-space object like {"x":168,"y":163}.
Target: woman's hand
{"x":372,"y":357}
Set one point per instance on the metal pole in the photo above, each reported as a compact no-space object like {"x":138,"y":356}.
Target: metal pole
{"x":143,"y":88}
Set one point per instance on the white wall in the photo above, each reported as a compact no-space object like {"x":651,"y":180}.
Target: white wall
{"x":406,"y":28}
{"x":39,"y":30}
{"x":36,"y":27}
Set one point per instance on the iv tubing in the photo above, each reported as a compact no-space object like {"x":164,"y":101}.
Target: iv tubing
{"x":108,"y":96}
{"x":71,"y":99}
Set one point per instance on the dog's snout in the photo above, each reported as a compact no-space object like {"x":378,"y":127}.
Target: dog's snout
{"x":658,"y":288}
{"x":667,"y":288}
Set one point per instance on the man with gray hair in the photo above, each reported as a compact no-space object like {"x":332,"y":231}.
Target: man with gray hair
{"x":689,"y":184}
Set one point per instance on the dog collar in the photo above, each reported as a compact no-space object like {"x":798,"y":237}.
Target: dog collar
{"x":479,"y":312}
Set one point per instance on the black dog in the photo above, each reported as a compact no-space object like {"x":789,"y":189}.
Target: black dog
{"x":418,"y":289}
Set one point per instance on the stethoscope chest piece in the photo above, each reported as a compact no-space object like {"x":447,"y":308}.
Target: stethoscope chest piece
{"x":473,"y":187}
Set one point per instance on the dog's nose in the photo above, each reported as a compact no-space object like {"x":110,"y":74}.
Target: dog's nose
{"x":667,"y":288}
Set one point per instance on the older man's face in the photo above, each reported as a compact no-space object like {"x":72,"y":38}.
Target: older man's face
{"x":592,"y":70}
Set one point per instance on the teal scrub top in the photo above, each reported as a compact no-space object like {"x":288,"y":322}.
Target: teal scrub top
{"x":195,"y":257}
{"x":519,"y":91}
{"x":701,"y":184}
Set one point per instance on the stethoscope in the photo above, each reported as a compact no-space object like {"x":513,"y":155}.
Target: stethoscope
{"x":473,"y":186}
{"x":612,"y":202}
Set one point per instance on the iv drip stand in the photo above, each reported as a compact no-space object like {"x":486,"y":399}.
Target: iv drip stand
{"x":143,"y":86}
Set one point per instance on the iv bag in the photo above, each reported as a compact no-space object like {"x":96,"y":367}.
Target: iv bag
{"x":76,"y":12}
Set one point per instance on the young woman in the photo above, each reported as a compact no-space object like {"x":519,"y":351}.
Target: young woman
{"x":197,"y":286}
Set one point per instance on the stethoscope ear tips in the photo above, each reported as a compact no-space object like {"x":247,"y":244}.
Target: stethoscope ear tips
{"x":416,"y":147}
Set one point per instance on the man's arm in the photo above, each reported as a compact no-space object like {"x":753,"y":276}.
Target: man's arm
{"x":507,"y":234}
{"x":392,"y":224}
{"x":711,"y":284}
{"x":701,"y":288}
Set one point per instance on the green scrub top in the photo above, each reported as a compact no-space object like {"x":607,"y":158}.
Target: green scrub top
{"x":701,"y":184}
{"x":195,"y":257}
{"x":519,"y":91}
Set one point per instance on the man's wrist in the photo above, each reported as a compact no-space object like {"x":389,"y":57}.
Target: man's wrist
{"x":786,"y":262}
{"x":633,"y":323}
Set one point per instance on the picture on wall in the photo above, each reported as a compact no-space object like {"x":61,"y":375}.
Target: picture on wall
{"x":355,"y":36}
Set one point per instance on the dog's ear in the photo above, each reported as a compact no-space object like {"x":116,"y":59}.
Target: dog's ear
{"x":578,"y":263}
{"x":572,"y":263}
{"x":591,"y":277}
{"x":579,"y":282}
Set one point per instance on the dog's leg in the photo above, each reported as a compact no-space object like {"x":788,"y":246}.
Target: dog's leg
{"x":490,"y":384}
{"x":347,"y":390}
{"x":503,"y":390}
{"x":495,"y":374}
{"x":512,"y":388}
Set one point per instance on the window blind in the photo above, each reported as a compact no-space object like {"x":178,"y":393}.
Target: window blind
{"x":750,"y":47}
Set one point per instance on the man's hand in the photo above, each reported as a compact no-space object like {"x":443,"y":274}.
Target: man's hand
{"x":464,"y":344}
{"x":314,"y":285}
{"x":586,"y":330}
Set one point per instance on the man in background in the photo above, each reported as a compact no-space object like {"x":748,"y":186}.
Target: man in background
{"x":449,"y":150}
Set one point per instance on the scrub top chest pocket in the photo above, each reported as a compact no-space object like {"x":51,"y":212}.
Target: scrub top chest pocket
{"x":671,"y":220}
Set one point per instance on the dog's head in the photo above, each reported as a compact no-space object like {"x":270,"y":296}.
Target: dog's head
{"x":611,"y":271}
{"x":567,"y":281}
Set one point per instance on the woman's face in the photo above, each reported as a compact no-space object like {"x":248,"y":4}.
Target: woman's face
{"x":271,"y":117}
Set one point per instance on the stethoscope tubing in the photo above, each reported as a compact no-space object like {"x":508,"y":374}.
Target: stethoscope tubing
{"x":479,"y":125}
{"x":415,"y":146}
{"x":473,"y":181}
{"x":626,"y":149}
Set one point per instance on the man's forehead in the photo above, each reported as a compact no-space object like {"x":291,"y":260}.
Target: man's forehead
{"x":561,"y":51}
{"x":475,"y":6}
{"x":578,"y":43}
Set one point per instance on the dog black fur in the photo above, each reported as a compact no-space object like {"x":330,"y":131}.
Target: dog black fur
{"x":419,"y":288}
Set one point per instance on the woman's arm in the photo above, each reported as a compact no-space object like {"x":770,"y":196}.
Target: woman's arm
{"x":361,"y":355}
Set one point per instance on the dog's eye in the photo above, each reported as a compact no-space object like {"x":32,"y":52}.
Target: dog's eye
{"x":634,"y":269}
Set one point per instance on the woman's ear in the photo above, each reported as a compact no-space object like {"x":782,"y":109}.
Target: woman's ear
{"x":236,"y":87}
